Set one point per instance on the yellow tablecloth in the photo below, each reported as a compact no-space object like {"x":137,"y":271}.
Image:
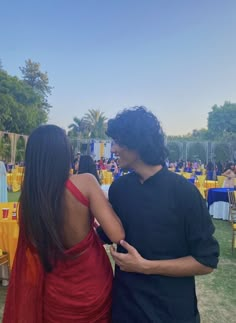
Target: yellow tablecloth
{"x":20,"y":169}
{"x":208,"y":184}
{"x":9,"y":179}
{"x":9,"y":232}
{"x":211,"y":184}
{"x":107,"y":177}
{"x":14,"y":181}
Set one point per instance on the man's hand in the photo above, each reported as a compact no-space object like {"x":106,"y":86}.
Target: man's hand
{"x":134,"y":262}
{"x":131,"y":261}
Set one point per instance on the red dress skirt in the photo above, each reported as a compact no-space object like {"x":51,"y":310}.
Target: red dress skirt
{"x":77,"y":290}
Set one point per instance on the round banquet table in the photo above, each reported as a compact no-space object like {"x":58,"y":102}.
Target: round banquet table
{"x":218,"y":203}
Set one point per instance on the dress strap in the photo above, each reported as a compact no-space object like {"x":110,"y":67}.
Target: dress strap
{"x":76,"y":193}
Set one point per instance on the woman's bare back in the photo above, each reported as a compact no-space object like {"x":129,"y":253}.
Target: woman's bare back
{"x":78,"y":218}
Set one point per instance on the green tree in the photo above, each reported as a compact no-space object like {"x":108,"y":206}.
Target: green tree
{"x":20,"y":150}
{"x":222,"y":120}
{"x":5,"y":148}
{"x":38,"y":81}
{"x":187,"y":137}
{"x":97,"y":121}
{"x":202,"y":134}
{"x":174,"y":151}
{"x":80,"y":129}
{"x":196,"y":151}
{"x":222,"y":152}
{"x":19,"y":106}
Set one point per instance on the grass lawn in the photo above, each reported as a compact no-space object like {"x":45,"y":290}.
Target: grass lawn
{"x":13,"y":197}
{"x":216,"y":292}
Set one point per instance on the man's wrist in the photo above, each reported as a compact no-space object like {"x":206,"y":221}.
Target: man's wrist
{"x":147,"y":266}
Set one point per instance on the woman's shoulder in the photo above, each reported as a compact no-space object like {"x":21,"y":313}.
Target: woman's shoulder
{"x":78,"y":178}
{"x":86,"y":183}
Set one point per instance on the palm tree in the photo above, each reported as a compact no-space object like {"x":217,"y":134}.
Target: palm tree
{"x":78,"y":130}
{"x":97,"y":122}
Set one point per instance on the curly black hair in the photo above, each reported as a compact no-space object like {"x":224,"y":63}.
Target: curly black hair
{"x":139,"y":129}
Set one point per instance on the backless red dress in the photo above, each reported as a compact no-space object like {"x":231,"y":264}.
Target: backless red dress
{"x":77,"y":290}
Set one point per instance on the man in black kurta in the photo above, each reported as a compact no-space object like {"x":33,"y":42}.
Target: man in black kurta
{"x":164,"y":218}
{"x":169,"y":233}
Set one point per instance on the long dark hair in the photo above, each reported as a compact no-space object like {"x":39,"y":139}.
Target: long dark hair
{"x":228,"y":166}
{"x":87,"y":165}
{"x":47,"y":166}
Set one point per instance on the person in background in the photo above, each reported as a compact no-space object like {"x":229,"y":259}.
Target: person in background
{"x":75,"y":166}
{"x":102,"y":164}
{"x":87,"y":165}
{"x":209,"y":170}
{"x":169,"y":232}
{"x":219,"y":168}
{"x":230,"y":175}
{"x":112,"y":167}
{"x":61,"y":272}
{"x":3,"y":183}
{"x":180,"y":164}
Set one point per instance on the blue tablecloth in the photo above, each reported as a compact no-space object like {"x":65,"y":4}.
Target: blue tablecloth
{"x":191,"y":180}
{"x":210,"y":175}
{"x":188,"y":170}
{"x":218,"y":194}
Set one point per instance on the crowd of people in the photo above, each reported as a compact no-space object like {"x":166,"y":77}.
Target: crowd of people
{"x":197,"y":166}
{"x":210,"y":170}
{"x":86,"y":164}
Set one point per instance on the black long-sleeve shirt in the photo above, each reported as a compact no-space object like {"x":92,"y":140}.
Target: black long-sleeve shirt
{"x":164,"y":218}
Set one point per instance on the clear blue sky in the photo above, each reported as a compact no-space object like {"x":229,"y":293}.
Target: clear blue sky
{"x":177,"y":57}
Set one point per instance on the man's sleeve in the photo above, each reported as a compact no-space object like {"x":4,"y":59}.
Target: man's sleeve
{"x":199,"y":230}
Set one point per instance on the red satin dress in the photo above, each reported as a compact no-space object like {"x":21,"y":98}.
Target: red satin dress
{"x":77,"y":290}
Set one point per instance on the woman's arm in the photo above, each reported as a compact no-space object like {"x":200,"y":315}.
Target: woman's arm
{"x":227,"y":173}
{"x":101,"y":208}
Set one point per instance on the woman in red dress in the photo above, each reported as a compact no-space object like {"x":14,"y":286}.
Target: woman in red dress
{"x":61,"y":272}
